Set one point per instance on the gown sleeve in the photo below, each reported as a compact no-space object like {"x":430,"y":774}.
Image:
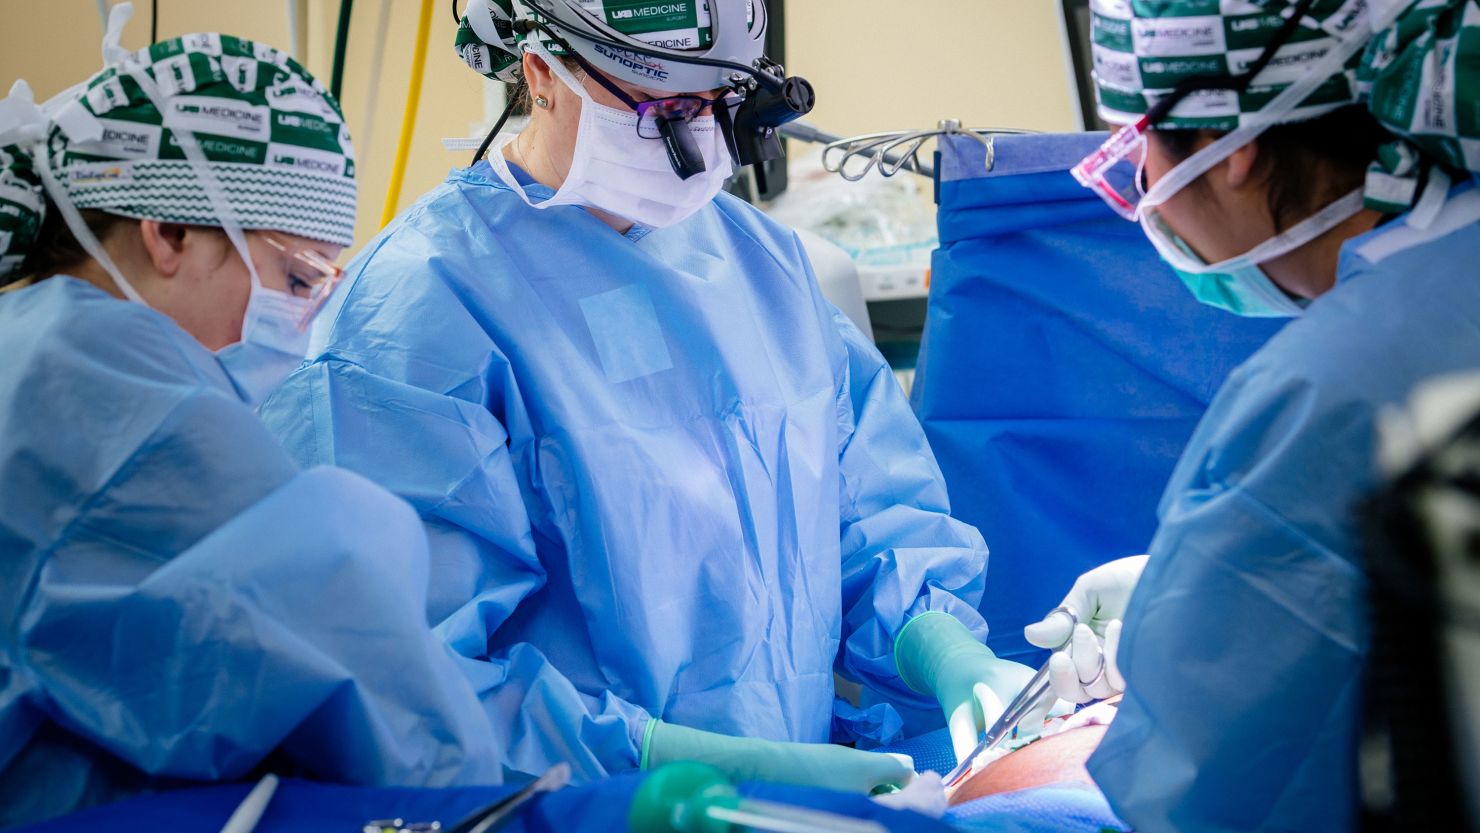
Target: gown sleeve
{"x":411,"y":407}
{"x":297,"y":628}
{"x":181,"y":596}
{"x":1243,"y":643}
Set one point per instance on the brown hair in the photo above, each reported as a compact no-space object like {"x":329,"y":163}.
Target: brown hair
{"x":56,"y":249}
{"x":1307,"y":164}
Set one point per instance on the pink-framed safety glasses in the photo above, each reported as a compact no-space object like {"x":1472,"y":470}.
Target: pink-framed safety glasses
{"x":308,"y":267}
{"x":1116,"y":170}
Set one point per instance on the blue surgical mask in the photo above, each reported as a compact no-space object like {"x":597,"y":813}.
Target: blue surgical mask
{"x":1247,"y":291}
{"x":1238,"y":284}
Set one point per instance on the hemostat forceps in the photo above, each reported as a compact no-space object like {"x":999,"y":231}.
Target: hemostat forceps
{"x":1036,"y":689}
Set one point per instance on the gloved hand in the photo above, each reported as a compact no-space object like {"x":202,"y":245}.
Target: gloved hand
{"x":937,"y":655}
{"x":824,"y":765}
{"x":1084,"y":669}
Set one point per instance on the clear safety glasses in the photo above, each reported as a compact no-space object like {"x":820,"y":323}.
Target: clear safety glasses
{"x":310,"y":275}
{"x":1117,"y":169}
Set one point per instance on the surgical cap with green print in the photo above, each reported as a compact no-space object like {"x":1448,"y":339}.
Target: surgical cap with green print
{"x":488,"y":42}
{"x":274,"y":137}
{"x":1144,"y":48}
{"x":1419,"y":72}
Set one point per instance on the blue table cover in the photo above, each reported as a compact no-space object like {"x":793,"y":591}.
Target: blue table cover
{"x":307,"y":807}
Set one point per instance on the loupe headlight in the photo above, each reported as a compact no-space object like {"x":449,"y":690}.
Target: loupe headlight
{"x":752,"y":129}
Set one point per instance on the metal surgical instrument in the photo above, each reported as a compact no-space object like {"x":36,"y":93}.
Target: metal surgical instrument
{"x":1036,"y":689}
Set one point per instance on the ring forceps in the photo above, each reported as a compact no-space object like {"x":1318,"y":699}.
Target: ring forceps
{"x":1036,"y":689}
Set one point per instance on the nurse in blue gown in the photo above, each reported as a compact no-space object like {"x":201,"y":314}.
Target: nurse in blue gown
{"x":1244,"y":643}
{"x":670,"y":491}
{"x":179,"y":601}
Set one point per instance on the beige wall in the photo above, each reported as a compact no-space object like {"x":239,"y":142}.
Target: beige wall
{"x":888,"y":65}
{"x":877,"y":65}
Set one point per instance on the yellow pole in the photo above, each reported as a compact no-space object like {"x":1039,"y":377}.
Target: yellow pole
{"x":408,"y":118}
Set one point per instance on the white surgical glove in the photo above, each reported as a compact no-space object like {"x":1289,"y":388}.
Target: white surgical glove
{"x":1084,"y":668}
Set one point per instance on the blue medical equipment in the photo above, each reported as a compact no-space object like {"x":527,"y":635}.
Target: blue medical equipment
{"x":305,"y":807}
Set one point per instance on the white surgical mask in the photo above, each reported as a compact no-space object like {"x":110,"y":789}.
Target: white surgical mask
{"x":617,"y":171}
{"x":273,"y":344}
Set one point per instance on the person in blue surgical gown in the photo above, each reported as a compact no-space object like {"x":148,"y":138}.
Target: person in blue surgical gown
{"x":670,"y":491}
{"x":180,"y":603}
{"x":1320,"y":194}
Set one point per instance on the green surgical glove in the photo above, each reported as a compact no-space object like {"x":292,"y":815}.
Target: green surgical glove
{"x":822,"y":765}
{"x":937,"y":655}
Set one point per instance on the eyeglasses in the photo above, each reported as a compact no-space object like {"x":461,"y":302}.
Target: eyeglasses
{"x":654,"y":113}
{"x":316,"y":273}
{"x":1116,"y":171}
{"x":651,"y":115}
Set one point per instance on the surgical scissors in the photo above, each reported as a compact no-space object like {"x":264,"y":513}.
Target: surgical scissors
{"x":1036,"y":689}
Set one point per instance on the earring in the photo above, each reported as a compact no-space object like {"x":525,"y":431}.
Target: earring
{"x":542,"y":102}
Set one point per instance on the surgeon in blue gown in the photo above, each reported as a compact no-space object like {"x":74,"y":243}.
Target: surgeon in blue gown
{"x":179,"y":602}
{"x":670,"y":490}
{"x":1245,"y":640}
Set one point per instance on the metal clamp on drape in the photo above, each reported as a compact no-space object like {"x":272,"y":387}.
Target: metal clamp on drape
{"x":889,"y":152}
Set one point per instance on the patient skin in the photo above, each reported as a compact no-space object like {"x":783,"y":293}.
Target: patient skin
{"x":1058,"y":759}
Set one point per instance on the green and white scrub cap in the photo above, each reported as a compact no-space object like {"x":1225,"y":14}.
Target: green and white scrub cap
{"x":21,"y":207}
{"x":494,"y":53}
{"x":273,"y":137}
{"x":1418,"y":72}
{"x":1144,"y":48}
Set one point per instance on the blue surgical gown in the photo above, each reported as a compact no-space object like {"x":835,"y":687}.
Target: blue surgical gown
{"x":177,"y":600}
{"x":1244,"y":643}
{"x":662,"y":477}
